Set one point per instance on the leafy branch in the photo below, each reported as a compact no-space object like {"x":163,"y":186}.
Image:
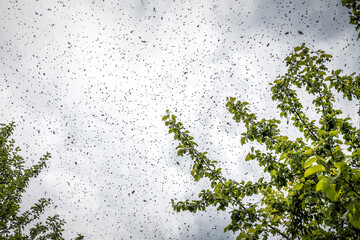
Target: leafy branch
{"x":313,"y":191}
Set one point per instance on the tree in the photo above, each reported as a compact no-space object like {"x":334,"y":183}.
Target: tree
{"x":314,"y":186}
{"x":14,"y":179}
{"x":354,"y":6}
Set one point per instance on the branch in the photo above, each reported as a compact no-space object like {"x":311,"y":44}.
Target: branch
{"x":196,"y":155}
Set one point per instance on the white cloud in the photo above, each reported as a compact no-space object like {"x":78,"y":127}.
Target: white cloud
{"x":100,"y":74}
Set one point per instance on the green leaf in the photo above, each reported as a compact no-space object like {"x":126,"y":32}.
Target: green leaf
{"x":355,"y":223}
{"x":310,"y":161}
{"x":331,"y":193}
{"x":356,"y":173}
{"x":303,"y":204}
{"x":315,"y":169}
{"x":180,"y":152}
{"x":338,"y":165}
{"x":249,"y":157}
{"x":323,"y":184}
{"x":334,"y":133}
{"x":298,"y":186}
{"x":243,"y":140}
{"x":354,"y":215}
{"x":337,"y":72}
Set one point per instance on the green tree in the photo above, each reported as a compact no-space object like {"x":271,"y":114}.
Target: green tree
{"x":313,"y":191}
{"x":14,"y":179}
{"x":354,"y":6}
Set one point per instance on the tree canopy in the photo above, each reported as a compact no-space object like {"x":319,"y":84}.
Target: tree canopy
{"x":313,"y":186}
{"x":14,"y":179}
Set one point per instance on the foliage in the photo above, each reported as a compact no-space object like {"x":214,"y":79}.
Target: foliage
{"x":14,"y":180}
{"x":313,"y":191}
{"x":354,"y":6}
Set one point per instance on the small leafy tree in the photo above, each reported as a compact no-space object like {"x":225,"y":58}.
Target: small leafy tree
{"x":314,"y":186}
{"x":14,"y":179}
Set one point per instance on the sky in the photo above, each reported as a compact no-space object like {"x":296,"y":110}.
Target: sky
{"x":89,"y":81}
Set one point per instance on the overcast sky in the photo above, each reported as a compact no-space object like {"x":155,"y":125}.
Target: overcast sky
{"x":88,"y":81}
